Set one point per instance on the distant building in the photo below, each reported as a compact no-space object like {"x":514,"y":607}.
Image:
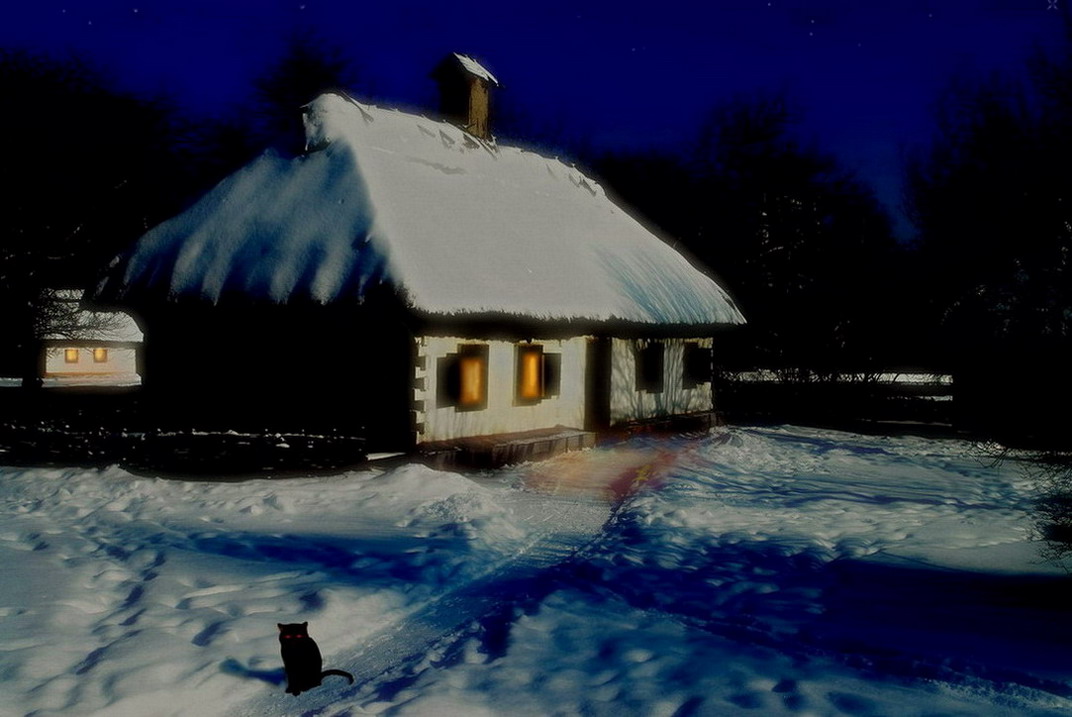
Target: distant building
{"x":422,"y":284}
{"x":90,"y":347}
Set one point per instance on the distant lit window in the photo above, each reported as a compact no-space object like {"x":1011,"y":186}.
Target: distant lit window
{"x":696,"y":365}
{"x":100,"y":355}
{"x":649,"y":367}
{"x":462,"y":378}
{"x":70,"y":355}
{"x":537,"y":374}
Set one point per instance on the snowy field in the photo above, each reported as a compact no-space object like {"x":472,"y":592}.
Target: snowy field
{"x":759,"y":571}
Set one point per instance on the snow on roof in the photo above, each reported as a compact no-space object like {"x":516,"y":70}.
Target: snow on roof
{"x":85,"y":325}
{"x":459,"y":226}
{"x":475,"y":68}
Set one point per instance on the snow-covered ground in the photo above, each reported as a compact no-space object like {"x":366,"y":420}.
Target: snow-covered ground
{"x":753,"y":571}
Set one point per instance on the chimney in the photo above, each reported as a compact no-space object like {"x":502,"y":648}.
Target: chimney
{"x":465,"y":93}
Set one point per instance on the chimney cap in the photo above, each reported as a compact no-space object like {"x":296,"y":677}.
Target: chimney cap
{"x":467,"y":64}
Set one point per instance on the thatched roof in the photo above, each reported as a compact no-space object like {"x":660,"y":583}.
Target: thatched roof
{"x":456,"y":225}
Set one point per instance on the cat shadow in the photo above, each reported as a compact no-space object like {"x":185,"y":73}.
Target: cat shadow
{"x":231,"y":666}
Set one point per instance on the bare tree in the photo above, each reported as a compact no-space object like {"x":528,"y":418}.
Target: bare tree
{"x":107,"y":171}
{"x":61,"y":315}
{"x":803,"y":243}
{"x":992,"y":199}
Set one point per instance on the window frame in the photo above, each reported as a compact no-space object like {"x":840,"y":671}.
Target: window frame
{"x":521,"y":367}
{"x":71,"y":356}
{"x":100,"y":355}
{"x":550,"y":374}
{"x":650,"y":359}
{"x":450,"y":377}
{"x":689,"y":377}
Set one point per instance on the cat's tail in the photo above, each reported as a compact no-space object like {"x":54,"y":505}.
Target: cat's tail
{"x":340,"y":673}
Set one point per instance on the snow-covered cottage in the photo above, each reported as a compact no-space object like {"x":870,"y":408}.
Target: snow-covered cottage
{"x":416,"y":281}
{"x":88,"y":347}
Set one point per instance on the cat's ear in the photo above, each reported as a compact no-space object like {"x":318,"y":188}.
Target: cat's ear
{"x":305,"y":625}
{"x":280,"y":626}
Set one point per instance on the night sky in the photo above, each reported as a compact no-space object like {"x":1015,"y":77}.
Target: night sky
{"x":615,"y":74}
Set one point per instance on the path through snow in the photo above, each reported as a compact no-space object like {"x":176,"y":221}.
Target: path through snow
{"x":389,"y":660}
{"x":760,"y":571}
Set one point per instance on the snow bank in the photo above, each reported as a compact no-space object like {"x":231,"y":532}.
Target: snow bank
{"x":842,"y":496}
{"x":133,"y":596}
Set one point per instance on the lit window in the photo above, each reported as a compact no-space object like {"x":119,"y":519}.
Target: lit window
{"x":529,"y":374}
{"x":462,"y":378}
{"x":472,"y":390}
{"x":70,"y":355}
{"x":100,"y":355}
{"x":649,"y":367}
{"x":537,"y":374}
{"x":696,"y":365}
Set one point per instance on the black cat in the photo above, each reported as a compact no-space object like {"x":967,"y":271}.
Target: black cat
{"x":301,"y":659}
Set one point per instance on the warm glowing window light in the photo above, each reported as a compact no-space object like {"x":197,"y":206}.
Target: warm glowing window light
{"x":471,"y":370}
{"x":70,"y":355}
{"x":100,"y":355}
{"x":530,"y":375}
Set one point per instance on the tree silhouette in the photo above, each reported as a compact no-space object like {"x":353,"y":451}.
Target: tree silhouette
{"x":308,"y":67}
{"x":89,"y":170}
{"x":992,"y":199}
{"x":271,"y":117}
{"x":802,"y":244}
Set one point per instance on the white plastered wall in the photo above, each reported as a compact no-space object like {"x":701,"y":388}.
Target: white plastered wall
{"x":121,"y":361}
{"x":627,"y":403}
{"x":502,"y":414}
